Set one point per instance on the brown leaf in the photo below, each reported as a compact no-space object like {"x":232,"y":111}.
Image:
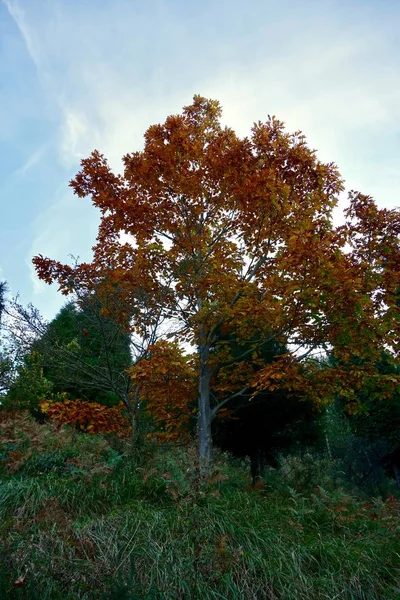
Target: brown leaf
{"x":20,"y":581}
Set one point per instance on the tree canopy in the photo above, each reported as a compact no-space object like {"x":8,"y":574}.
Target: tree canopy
{"x":231,"y":234}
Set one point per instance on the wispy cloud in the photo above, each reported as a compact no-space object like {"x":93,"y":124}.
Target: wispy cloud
{"x":109,"y":70}
{"x":325,"y":79}
{"x":32,"y":160}
{"x":18,"y":13}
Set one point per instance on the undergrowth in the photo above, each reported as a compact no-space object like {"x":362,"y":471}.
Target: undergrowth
{"x":82,"y":517}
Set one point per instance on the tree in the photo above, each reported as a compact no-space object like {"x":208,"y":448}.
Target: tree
{"x":167,"y":382}
{"x":81,"y":351}
{"x":86,"y":354}
{"x":30,"y":386}
{"x":3,"y":290}
{"x":378,"y":423}
{"x":7,"y":372}
{"x":7,"y":367}
{"x":237,"y":234}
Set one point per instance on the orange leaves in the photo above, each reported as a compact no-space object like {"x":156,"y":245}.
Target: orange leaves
{"x":167,"y":384}
{"x":211,"y":214}
{"x":285,"y":372}
{"x":235,"y":234}
{"x":88,"y":416}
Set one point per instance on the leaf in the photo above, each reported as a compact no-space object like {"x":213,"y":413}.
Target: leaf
{"x":20,"y":581}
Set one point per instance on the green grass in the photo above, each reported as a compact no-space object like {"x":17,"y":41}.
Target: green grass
{"x":83,"y":520}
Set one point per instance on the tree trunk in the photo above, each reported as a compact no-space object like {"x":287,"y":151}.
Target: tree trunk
{"x":132,"y":404}
{"x":396,"y":469}
{"x":134,"y":427}
{"x":257,"y":461}
{"x":204,"y":417}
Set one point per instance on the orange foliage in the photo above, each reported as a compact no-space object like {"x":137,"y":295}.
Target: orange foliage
{"x":237,"y":234}
{"x":90,"y":417}
{"x":168,"y":385}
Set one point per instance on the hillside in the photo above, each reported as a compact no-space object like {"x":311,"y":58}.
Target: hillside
{"x":83,"y":517}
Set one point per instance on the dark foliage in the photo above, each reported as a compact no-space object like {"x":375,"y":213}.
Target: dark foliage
{"x":85,"y":354}
{"x":376,"y":428}
{"x":271,"y":423}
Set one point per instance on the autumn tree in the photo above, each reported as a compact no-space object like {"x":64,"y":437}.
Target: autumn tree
{"x":166,"y":378}
{"x":237,"y":233}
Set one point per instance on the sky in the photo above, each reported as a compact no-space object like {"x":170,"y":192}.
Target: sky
{"x":83,"y":74}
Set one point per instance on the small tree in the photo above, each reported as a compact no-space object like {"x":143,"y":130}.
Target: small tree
{"x":85,"y":350}
{"x":30,"y":386}
{"x":86,"y":354}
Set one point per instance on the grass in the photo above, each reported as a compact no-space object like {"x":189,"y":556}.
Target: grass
{"x":81,"y":518}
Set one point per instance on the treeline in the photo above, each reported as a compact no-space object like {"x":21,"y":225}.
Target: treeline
{"x":84,"y":358}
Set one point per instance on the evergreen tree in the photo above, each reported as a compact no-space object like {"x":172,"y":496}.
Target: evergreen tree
{"x":85,"y":354}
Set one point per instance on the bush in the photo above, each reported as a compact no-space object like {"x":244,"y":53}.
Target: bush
{"x":356,"y":462}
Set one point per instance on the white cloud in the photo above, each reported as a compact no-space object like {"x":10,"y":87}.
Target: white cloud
{"x":19,"y":15}
{"x":76,"y":137}
{"x":32,"y":160}
{"x":110,"y":81}
{"x":38,"y":285}
{"x":60,"y":231}
{"x":109,"y":70}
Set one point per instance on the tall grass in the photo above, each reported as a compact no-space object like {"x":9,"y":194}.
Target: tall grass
{"x":103,"y":525}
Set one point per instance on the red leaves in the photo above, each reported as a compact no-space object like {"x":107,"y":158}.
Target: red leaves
{"x":20,"y":581}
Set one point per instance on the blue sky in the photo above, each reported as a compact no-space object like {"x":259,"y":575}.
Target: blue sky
{"x":82,"y":74}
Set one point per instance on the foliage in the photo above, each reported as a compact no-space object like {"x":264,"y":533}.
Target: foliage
{"x":272,"y":423}
{"x":369,"y":437}
{"x":237,"y":234}
{"x":264,"y":424}
{"x":356,"y":462}
{"x":168,"y":386}
{"x":81,"y":349}
{"x":7,"y":372}
{"x":90,"y":417}
{"x":30,"y":386}
{"x":53,"y":461}
{"x":380,"y":417}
